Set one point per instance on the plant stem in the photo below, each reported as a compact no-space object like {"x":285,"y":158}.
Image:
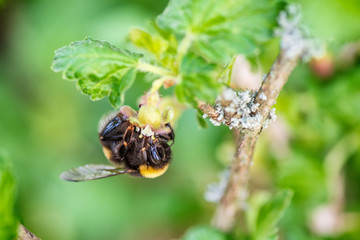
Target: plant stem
{"x":184,"y":47}
{"x":228,"y":207}
{"x":146,"y":67}
{"x":25,"y":234}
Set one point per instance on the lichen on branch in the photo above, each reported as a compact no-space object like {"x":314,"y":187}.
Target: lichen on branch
{"x":237,"y":110}
{"x":248,"y":113}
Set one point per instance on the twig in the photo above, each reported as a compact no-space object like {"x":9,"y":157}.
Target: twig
{"x":248,"y":113}
{"x":25,"y":234}
{"x":239,"y":176}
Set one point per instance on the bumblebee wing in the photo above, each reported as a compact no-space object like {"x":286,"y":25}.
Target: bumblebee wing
{"x":91,"y":172}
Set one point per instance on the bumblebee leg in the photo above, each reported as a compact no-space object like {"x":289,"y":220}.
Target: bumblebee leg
{"x":143,"y":152}
{"x":170,"y":136}
{"x":154,"y":155}
{"x":122,"y":150}
{"x":128,"y":134}
{"x":143,"y":155}
{"x":123,"y":146}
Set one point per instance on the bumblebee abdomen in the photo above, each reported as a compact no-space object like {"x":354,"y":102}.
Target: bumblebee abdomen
{"x":108,"y":153}
{"x":150,"y":172}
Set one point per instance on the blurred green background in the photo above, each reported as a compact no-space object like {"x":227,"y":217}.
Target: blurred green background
{"x":47,"y":126}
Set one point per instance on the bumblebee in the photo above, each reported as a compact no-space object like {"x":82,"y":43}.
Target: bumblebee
{"x":133,"y":148}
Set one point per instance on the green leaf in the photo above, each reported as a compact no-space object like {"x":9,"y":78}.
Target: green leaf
{"x":100,"y":68}
{"x":182,"y":16}
{"x":184,"y":95}
{"x":192,"y":64}
{"x":201,"y":120}
{"x":330,"y":26}
{"x":227,"y":72}
{"x":8,"y":221}
{"x":220,"y":29}
{"x":201,"y":87}
{"x":199,"y":81}
{"x":116,"y":98}
{"x":197,"y":87}
{"x":222,"y":47}
{"x":204,"y":233}
{"x":265,"y":212}
{"x":152,"y":43}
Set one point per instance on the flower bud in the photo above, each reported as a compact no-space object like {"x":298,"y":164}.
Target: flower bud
{"x":167,"y":115}
{"x":128,"y":111}
{"x":152,"y":99}
{"x":150,"y":116}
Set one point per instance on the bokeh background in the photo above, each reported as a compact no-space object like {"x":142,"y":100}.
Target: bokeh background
{"x":47,"y":126}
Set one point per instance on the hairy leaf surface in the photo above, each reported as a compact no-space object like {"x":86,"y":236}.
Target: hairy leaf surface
{"x":265,"y":212}
{"x":220,"y":29}
{"x":8,"y":220}
{"x":100,"y":68}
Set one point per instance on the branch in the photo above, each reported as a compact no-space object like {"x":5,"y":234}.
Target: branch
{"x":25,"y":234}
{"x":248,"y":113}
{"x":237,"y":185}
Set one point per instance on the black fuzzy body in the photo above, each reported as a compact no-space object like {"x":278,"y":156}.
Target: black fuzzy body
{"x":125,"y":145}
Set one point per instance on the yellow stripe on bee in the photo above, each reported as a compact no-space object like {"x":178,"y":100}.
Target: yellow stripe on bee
{"x":107,"y":153}
{"x":150,"y":172}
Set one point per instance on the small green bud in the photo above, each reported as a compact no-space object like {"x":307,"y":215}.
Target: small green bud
{"x":135,"y":121}
{"x":152,"y":99}
{"x":168,"y":114}
{"x":128,"y":111}
{"x":150,"y":116}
